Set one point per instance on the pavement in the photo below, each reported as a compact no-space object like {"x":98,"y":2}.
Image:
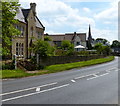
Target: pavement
{"x":96,"y":84}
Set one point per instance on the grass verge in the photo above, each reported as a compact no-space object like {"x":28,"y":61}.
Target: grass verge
{"x":53,"y":68}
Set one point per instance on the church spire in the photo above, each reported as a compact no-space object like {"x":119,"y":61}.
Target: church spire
{"x":89,"y":35}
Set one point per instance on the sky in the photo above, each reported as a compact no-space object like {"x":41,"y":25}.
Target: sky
{"x":68,"y":16}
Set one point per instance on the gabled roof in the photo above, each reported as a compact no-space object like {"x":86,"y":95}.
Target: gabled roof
{"x":68,"y":36}
{"x":38,"y":23}
{"x":20,"y":15}
{"x":25,"y":12}
{"x":57,"y":37}
{"x":82,"y":36}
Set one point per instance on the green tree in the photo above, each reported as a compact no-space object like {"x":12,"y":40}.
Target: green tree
{"x":102,"y":49}
{"x":103,"y":41}
{"x":68,"y":47}
{"x":106,"y":50}
{"x":9,"y":10}
{"x":65,"y":44}
{"x":115,"y":44}
{"x":98,"y":47}
{"x":43,"y":48}
{"x":47,"y":38}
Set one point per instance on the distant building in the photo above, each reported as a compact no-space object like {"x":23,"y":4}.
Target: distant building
{"x":90,"y":40}
{"x":31,"y":29}
{"x":74,"y":38}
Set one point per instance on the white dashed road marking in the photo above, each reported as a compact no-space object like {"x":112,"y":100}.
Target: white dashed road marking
{"x":34,"y":93}
{"x":73,"y":80}
{"x":27,"y":89}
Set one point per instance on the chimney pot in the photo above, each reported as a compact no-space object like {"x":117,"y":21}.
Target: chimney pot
{"x":33,"y":7}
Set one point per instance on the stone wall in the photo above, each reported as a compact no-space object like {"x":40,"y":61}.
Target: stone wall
{"x":66,"y":59}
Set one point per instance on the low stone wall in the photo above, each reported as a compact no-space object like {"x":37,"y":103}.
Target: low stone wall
{"x":66,"y":59}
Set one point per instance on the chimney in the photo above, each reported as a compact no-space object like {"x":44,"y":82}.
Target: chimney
{"x":33,"y":7}
{"x":75,"y":33}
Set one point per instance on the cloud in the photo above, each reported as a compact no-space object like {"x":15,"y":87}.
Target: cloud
{"x":59,"y":17}
{"x":110,"y":35}
{"x":86,"y":9}
{"x":110,"y":13}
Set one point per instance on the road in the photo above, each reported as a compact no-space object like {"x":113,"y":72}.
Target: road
{"x":96,"y":84}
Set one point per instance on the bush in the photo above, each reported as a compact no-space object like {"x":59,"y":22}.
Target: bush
{"x":59,"y":52}
{"x":40,"y":66}
{"x":8,"y":66}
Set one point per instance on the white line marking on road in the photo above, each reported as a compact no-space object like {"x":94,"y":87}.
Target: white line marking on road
{"x":103,"y":74}
{"x":86,"y":75}
{"x":73,"y":80}
{"x":35,"y":93}
{"x":97,"y":76}
{"x":109,"y":70}
{"x":37,"y":89}
{"x":27,"y":89}
{"x":91,"y":78}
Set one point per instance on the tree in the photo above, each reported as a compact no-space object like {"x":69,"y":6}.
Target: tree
{"x":47,"y":38}
{"x":102,"y":49}
{"x":115,"y":44}
{"x":43,"y":48}
{"x":103,"y":41}
{"x":9,"y":10}
{"x":98,"y":47}
{"x":106,"y":50}
{"x":65,"y":44}
{"x":68,"y":47}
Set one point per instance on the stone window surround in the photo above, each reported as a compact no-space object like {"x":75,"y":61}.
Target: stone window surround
{"x":19,"y":49}
{"x":21,"y":29}
{"x":39,"y":34}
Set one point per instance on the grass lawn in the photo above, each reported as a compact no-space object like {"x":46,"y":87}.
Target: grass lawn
{"x":53,"y":68}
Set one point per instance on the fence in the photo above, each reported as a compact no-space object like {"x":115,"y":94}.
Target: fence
{"x":52,"y":60}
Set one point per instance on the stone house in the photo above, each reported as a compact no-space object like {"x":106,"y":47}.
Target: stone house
{"x":74,"y":38}
{"x":31,"y":29}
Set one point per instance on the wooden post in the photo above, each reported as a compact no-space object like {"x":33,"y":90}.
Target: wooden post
{"x":15,"y":58}
{"x":37,"y":59}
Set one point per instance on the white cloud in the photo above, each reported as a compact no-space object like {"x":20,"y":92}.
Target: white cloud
{"x":86,"y":9}
{"x":56,"y":14}
{"x":59,"y":17}
{"x":108,"y":14}
{"x":110,"y":35}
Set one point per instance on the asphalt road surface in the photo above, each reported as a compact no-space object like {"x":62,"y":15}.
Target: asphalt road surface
{"x":96,"y":84}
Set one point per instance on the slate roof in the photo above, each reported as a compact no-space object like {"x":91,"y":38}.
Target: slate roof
{"x":38,"y":23}
{"x":68,"y":36}
{"x":22,"y":15}
{"x":82,"y":36}
{"x":57,"y":37}
{"x":25,"y":12}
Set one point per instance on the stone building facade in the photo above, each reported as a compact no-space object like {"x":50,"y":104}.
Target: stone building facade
{"x":31,"y":29}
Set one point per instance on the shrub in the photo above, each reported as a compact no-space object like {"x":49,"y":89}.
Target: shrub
{"x":8,"y":66}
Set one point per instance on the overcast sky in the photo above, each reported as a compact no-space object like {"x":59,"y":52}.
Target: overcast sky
{"x":63,"y":16}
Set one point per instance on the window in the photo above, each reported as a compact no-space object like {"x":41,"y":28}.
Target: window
{"x":39,"y":35}
{"x":31,"y":31}
{"x":21,"y":29}
{"x":22,"y":48}
{"x":78,"y":43}
{"x":19,"y":49}
{"x":16,"y":48}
